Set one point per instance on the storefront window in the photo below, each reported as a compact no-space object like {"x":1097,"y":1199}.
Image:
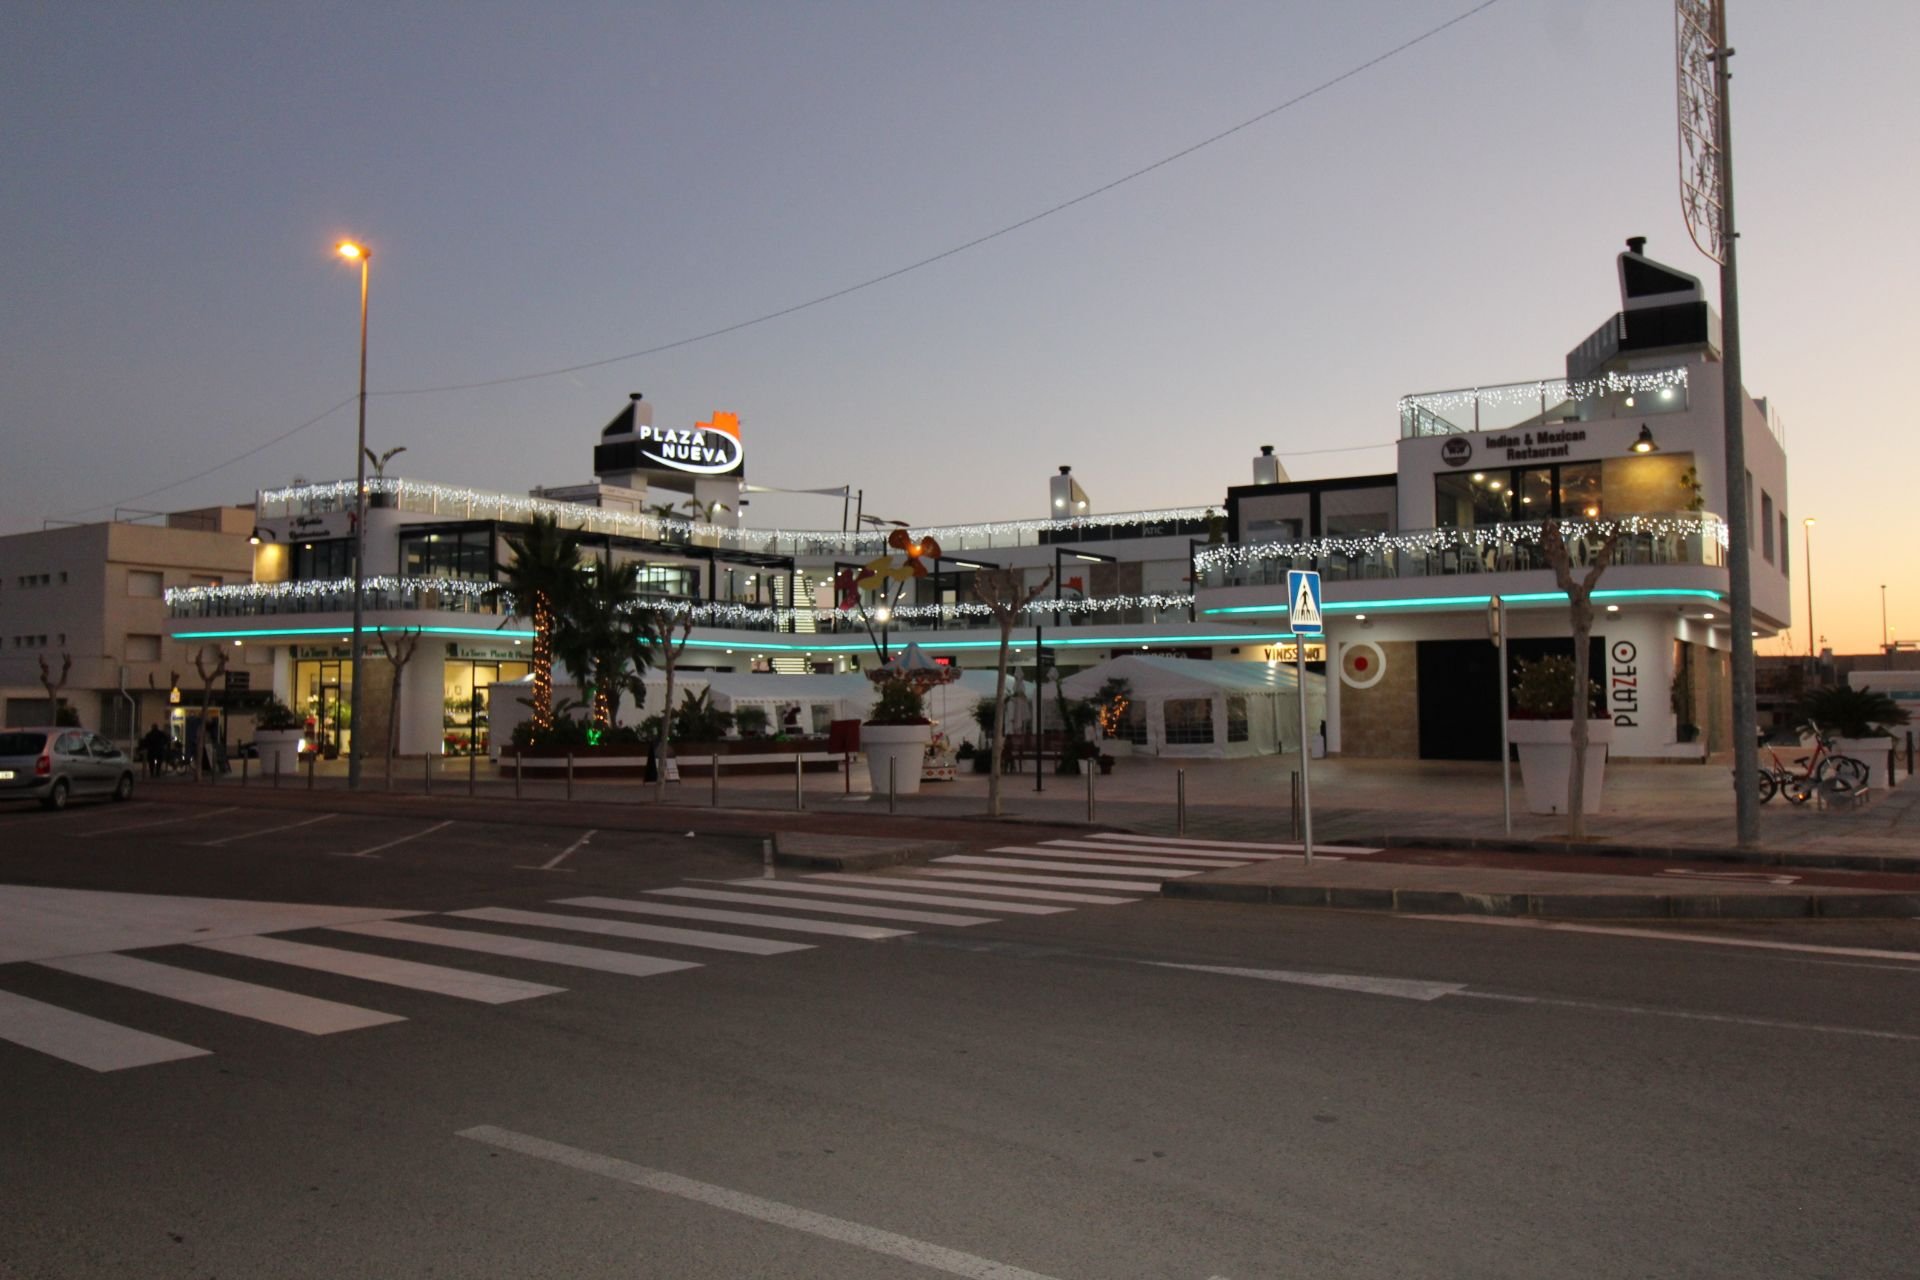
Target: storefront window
{"x":1464,"y":499}
{"x":1534,"y":491}
{"x":464,"y":728}
{"x":456,"y":553}
{"x":322,"y":561}
{"x":1580,"y":491}
{"x":322,"y":690}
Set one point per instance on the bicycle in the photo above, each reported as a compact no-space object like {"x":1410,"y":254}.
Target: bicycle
{"x":1824,"y":768}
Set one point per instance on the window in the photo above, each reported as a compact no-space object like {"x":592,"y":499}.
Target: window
{"x":1766,"y":525}
{"x":1464,"y":499}
{"x":1783,"y":540}
{"x":143,"y":648}
{"x":453,"y":553}
{"x":1133,"y":723}
{"x":1753,"y":533}
{"x":147,"y":583}
{"x":203,"y":580}
{"x":1356,"y":513}
{"x":1236,"y":717}
{"x":1189,"y":721}
{"x":324,"y":561}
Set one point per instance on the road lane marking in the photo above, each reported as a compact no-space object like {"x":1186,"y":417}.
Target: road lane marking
{"x":1744,"y":877}
{"x":242,"y":999}
{"x":917,"y":881}
{"x":1083,"y":868}
{"x":1399,"y":988}
{"x":1706,"y":939}
{"x":918,"y":1252}
{"x":143,"y":826}
{"x":789,"y":924}
{"x":553,"y":863}
{"x":84,"y":1041}
{"x":459,"y":983}
{"x":841,"y":908}
{"x":371,"y":850}
{"x":1155,"y":861}
{"x":895,"y":895}
{"x":1064,"y":882}
{"x":500,"y":944}
{"x":249,"y":835}
{"x":628,"y":929}
{"x":1688,"y":1015}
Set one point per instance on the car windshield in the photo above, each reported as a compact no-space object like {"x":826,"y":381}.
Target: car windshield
{"x":22,"y":744}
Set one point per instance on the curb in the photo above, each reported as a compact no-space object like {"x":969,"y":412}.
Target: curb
{"x":1574,"y":906}
{"x":1663,"y":852}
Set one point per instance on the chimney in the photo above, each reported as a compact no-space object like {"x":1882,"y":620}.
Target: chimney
{"x":1637,"y":245}
{"x":1267,"y":468}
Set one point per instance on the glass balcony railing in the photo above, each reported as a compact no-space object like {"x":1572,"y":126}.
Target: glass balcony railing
{"x":274,"y":599}
{"x":1684,"y":538}
{"x":1516,"y":405}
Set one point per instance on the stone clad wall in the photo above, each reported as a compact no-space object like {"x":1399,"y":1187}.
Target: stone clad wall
{"x":1383,"y":721}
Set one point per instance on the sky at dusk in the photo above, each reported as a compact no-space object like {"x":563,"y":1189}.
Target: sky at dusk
{"x":546,"y":186}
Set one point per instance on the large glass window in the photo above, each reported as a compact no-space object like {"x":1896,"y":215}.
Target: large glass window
{"x":1464,"y":499}
{"x":1579,"y":491}
{"x":1189,"y":721}
{"x":1766,"y":525}
{"x":454,"y":553}
{"x":324,"y":561}
{"x":1356,"y":513}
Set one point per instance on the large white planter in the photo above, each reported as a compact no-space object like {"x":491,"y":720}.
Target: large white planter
{"x":905,"y":745}
{"x":282,"y":745}
{"x":1546,"y":762}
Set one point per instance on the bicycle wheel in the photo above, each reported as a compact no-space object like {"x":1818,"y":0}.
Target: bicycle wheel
{"x":1797,"y":790}
{"x":1768,"y":785}
{"x":1849,"y":770}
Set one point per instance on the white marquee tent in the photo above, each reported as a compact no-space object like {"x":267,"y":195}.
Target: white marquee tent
{"x":1189,"y":707}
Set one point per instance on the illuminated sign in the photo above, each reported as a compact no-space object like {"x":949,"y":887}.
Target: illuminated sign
{"x":1291,"y":653}
{"x":705,"y":449}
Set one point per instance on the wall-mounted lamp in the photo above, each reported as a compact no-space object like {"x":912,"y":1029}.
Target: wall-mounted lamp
{"x":260,"y":535}
{"x":1643,"y":443}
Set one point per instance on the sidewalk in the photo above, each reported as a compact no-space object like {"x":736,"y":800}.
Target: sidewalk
{"x":1662,"y":846}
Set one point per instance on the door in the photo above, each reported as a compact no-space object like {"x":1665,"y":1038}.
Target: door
{"x":72,"y":761}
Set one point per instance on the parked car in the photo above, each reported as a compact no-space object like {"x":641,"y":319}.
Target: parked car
{"x":55,"y":764}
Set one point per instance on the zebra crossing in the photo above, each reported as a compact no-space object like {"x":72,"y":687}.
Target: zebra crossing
{"x":757,"y":918}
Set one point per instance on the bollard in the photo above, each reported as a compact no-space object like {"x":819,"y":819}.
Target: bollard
{"x":276,"y":769}
{"x":310,"y":760}
{"x":473,"y":766}
{"x":243,"y":766}
{"x":1294,"y":808}
{"x":766,"y":859}
{"x":713,"y":781}
{"x":1892,"y":777}
{"x":1909,"y":753}
{"x":1093,"y":767}
{"x":426,"y":772}
{"x":517,"y":771}
{"x":1180,"y":802}
{"x":890,"y":764}
{"x":569,"y":774}
{"x":799,"y":783}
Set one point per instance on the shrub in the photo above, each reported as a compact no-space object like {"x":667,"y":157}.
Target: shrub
{"x":751,"y":721}
{"x":698,"y":720}
{"x":1849,"y":712}
{"x":898,"y":703}
{"x":276,"y":716}
{"x":1544,"y":689}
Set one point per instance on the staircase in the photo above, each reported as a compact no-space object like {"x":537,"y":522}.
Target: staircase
{"x":795,"y":664}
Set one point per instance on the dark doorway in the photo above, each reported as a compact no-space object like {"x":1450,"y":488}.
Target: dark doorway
{"x":1460,"y":693}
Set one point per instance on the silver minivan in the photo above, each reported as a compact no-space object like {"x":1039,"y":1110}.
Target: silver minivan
{"x":52,"y":765}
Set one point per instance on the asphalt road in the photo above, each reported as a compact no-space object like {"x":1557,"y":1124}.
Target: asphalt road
{"x":1314,"y":1094}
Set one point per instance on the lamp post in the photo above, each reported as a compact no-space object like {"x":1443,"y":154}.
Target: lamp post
{"x":1884,"y":646}
{"x":353,"y":252}
{"x":1807,"y":559}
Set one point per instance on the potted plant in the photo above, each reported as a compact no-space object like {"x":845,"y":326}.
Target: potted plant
{"x":895,"y":736}
{"x":1859,"y":720}
{"x":276,"y":737}
{"x":1106,"y":763}
{"x":751,"y":722}
{"x":1542,"y":729}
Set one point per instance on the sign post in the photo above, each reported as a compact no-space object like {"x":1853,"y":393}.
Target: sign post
{"x":1303,"y":613}
{"x":1497,"y":632}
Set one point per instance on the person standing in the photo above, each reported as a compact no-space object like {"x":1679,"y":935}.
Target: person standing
{"x":154,"y":748}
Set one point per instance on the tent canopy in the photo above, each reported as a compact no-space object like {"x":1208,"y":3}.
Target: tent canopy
{"x":1189,"y":707}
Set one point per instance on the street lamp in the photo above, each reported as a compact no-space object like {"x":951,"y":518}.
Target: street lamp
{"x":353,"y":252}
{"x":1808,"y":561}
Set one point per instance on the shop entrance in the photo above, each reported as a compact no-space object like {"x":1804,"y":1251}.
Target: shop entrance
{"x":321,"y":694}
{"x":1460,"y":691}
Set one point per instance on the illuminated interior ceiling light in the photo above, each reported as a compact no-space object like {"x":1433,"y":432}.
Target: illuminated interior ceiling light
{"x":1613,"y":608}
{"x":1479,"y":477}
{"x":1628,"y":402}
{"x":1493,"y":484}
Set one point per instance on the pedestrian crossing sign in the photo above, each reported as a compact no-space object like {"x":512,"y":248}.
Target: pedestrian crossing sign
{"x":1303,"y":602}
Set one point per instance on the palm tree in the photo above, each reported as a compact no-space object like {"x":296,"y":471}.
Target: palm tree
{"x":543,"y":580}
{"x":608,"y":637}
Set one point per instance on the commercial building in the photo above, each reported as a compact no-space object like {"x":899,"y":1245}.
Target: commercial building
{"x":1626,"y":440}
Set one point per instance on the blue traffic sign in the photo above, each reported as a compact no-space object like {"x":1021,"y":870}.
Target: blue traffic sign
{"x":1303,"y":602}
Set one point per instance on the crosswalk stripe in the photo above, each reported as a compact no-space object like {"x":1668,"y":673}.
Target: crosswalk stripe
{"x":1091,"y":855}
{"x":790,"y":924}
{"x":1237,"y":857}
{"x":1084,"y":868}
{"x":914,"y":880}
{"x":86,"y":1042}
{"x":894,"y":895}
{"x":458,"y":983}
{"x":228,"y":995}
{"x":1185,"y":842}
{"x":500,"y":944}
{"x":629,"y":929}
{"x":839,"y":908}
{"x":1067,"y":882}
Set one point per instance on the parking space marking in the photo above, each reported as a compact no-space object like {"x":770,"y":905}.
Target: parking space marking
{"x":372,"y":850}
{"x":143,"y":826}
{"x":553,"y":863}
{"x":248,"y":835}
{"x":83,"y":1041}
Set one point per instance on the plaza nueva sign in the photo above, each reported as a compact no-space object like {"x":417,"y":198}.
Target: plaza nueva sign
{"x":706,"y":449}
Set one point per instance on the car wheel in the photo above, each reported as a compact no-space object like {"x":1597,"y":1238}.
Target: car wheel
{"x":123,"y":790}
{"x":56,"y":797}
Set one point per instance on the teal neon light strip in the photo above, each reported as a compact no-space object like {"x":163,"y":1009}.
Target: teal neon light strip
{"x":1469,"y":602}
{"x":334,"y":631}
{"x":853,"y":646}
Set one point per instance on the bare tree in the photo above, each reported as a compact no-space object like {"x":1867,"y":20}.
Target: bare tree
{"x":53,"y":685}
{"x":1580,"y":607}
{"x":1003,"y":591}
{"x":398,"y":655}
{"x":670,"y":646}
{"x":203,"y":747}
